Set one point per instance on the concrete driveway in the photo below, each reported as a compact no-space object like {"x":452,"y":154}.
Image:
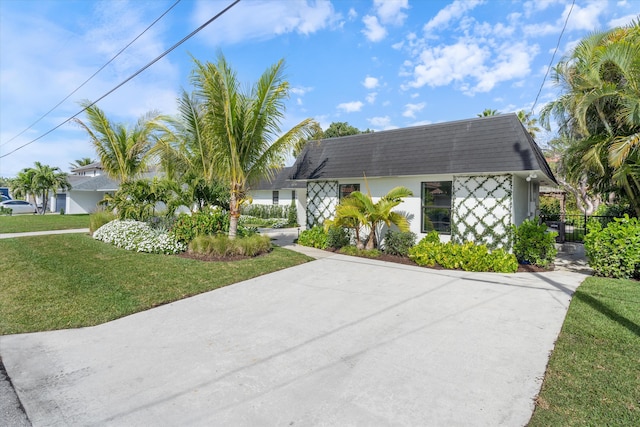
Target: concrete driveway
{"x":337,"y":341}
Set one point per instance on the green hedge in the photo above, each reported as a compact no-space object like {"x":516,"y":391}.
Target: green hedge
{"x":533,"y":244}
{"x":430,"y":252}
{"x":614,"y":251}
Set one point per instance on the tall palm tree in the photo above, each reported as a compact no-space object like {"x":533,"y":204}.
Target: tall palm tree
{"x":599,"y":110}
{"x":241,"y":137}
{"x":22,"y":185}
{"x":47,"y":180}
{"x":85,"y":161}
{"x":488,"y":113}
{"x":530,"y":123}
{"x":123,"y":150}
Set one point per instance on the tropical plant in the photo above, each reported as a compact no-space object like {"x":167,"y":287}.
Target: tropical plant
{"x":533,"y":244}
{"x":487,"y":112}
{"x":42,"y":181}
{"x":530,"y":123}
{"x":314,"y":237}
{"x":399,"y":242}
{"x":233,"y":135}
{"x":22,"y":186}
{"x":137,"y":200}
{"x":614,"y":251}
{"x":85,"y":161}
{"x":598,"y":111}
{"x":123,"y":150}
{"x":358,"y":211}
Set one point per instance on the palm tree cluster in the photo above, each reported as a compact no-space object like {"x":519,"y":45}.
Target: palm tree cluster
{"x":223,"y":137}
{"x":598,"y":113}
{"x":39,"y":181}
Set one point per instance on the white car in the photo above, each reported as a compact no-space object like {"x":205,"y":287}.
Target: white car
{"x":19,"y":206}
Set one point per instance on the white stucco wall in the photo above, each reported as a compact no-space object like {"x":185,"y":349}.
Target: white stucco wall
{"x":520,"y":207}
{"x":265,"y":197}
{"x":80,"y":202}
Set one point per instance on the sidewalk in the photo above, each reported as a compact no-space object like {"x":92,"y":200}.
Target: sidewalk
{"x":43,"y":233}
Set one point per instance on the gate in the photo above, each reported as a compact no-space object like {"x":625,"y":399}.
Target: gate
{"x":574,"y":227}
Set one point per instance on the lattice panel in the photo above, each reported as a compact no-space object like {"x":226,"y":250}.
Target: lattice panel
{"x":322,"y":199}
{"x":482,"y":210}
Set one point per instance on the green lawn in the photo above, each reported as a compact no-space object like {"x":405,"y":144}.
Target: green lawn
{"x":23,"y":223}
{"x":593,"y":377}
{"x":68,"y":281}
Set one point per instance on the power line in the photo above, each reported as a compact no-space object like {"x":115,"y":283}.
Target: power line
{"x":553,"y":56}
{"x":93,"y":75}
{"x":165,"y":53}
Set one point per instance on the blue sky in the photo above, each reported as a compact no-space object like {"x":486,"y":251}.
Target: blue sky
{"x":374,"y":64}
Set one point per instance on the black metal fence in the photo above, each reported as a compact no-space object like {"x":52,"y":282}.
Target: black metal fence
{"x":574,"y":227}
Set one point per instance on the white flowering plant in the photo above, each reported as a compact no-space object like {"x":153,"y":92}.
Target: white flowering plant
{"x":138,"y":236}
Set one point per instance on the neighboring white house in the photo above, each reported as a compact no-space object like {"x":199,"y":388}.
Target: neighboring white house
{"x":89,"y":185}
{"x":471,"y":179}
{"x":281,"y":191}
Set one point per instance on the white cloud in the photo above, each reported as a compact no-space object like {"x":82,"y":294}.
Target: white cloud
{"x":451,"y":12}
{"x":370,"y":82}
{"x":373,"y":30}
{"x":300,"y":90}
{"x":390,"y":12}
{"x":262,"y":19}
{"x":619,"y":22}
{"x":371,"y":98}
{"x":381,"y":122}
{"x":584,"y":18}
{"x":410,"y":110}
{"x":352,"y":14}
{"x":350,"y":107}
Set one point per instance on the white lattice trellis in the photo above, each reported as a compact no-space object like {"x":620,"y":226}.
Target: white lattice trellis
{"x":482,"y":210}
{"x":322,"y":199}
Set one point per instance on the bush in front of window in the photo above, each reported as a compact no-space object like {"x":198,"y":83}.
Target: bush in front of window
{"x":399,"y":242}
{"x":430,"y":252}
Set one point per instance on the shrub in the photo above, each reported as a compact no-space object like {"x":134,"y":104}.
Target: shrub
{"x":292,"y":214}
{"x":337,"y":237}
{"x":354,"y":251}
{"x":187,"y":227}
{"x":467,"y":256}
{"x":399,"y":242}
{"x":221,"y":246}
{"x":265,"y":211}
{"x":533,"y":244}
{"x":614,"y":251}
{"x":314,"y":237}
{"x":5,"y":211}
{"x":138,"y":236}
{"x":98,"y":219}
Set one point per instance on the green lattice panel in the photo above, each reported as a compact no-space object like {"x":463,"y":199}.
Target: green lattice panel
{"x":482,"y":210}
{"x":322,"y":199}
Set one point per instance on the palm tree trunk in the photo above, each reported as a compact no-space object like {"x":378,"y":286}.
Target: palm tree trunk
{"x":234,"y":215}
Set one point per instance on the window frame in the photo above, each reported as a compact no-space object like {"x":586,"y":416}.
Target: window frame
{"x":424,"y":207}
{"x":356,"y":187}
{"x":275,"y":197}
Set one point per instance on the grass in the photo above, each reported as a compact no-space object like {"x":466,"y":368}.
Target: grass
{"x":593,"y":377}
{"x":69,"y":281}
{"x":24,"y":223}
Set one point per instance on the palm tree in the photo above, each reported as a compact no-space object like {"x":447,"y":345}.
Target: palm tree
{"x":358,"y":210}
{"x":123,"y":151}
{"x":488,"y":113}
{"x":85,"y":161}
{"x":46,"y":180}
{"x":22,"y":185}
{"x":529,"y":123}
{"x":240,"y":138}
{"x":599,"y":110}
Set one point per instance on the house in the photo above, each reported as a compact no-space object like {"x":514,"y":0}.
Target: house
{"x":89,"y":185}
{"x":471,"y":179}
{"x":280,"y":190}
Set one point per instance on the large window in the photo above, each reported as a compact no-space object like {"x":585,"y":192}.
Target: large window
{"x":346,"y":189}
{"x":436,"y":206}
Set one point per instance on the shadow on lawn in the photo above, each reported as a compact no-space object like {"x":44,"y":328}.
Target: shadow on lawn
{"x":596,"y":304}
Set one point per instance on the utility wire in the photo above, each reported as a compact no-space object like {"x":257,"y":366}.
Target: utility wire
{"x":93,"y":75}
{"x":552,"y":57}
{"x":165,"y":53}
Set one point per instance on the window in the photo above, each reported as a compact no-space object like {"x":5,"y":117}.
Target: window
{"x":436,"y":206}
{"x":275,"y":197}
{"x":346,"y":189}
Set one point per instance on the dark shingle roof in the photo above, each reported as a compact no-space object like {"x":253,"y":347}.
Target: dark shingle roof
{"x":279,"y":182}
{"x":481,"y":145}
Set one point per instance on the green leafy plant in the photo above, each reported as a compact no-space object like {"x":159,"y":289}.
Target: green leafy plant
{"x":292,"y":214}
{"x":5,"y":211}
{"x":399,"y":242}
{"x":221,"y":246}
{"x":337,"y":237}
{"x":614,"y":251}
{"x":533,"y":244}
{"x":187,"y":227}
{"x":467,"y":256}
{"x":315,"y":237}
